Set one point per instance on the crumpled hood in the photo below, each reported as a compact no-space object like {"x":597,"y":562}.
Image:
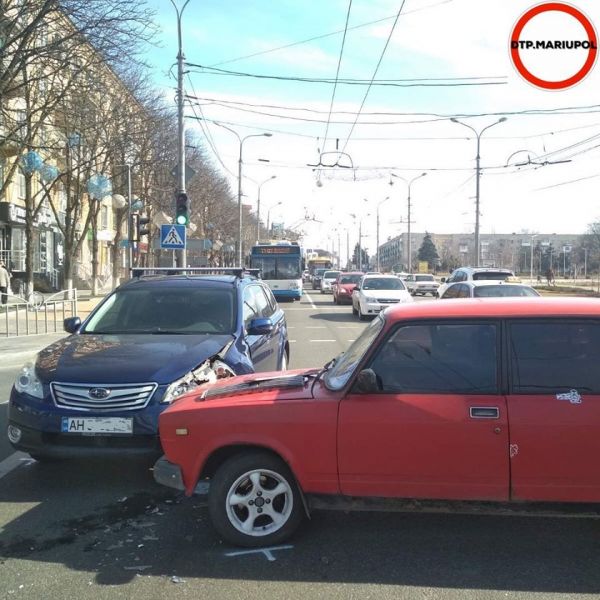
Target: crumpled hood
{"x":131,"y":358}
{"x":288,"y":385}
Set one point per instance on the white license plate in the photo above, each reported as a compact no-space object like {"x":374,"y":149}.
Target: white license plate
{"x":91,"y":425}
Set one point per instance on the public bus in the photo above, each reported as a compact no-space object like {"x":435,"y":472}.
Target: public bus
{"x":318,"y":262}
{"x":280,"y":265}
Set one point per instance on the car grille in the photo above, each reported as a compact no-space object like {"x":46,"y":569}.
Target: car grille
{"x":120,"y":397}
{"x":388,"y":300}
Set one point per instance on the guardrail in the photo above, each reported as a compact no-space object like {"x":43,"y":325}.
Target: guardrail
{"x":36,"y":314}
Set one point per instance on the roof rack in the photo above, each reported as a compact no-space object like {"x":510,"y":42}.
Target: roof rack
{"x":138,"y":272}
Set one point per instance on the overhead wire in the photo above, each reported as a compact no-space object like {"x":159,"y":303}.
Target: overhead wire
{"x":337,"y":74}
{"x":408,"y":82}
{"x":325,"y":35}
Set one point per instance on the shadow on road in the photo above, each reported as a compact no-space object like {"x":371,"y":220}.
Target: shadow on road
{"x":110,"y":519}
{"x":337,"y":317}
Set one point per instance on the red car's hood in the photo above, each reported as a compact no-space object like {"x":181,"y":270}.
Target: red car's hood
{"x":278,"y":385}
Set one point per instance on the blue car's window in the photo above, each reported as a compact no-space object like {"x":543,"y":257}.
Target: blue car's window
{"x":165,"y":310}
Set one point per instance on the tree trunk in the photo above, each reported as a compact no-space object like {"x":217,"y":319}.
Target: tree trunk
{"x":94,"y":205}
{"x":28,"y":237}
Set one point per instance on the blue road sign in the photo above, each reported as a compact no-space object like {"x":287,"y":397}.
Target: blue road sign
{"x":172,"y":237}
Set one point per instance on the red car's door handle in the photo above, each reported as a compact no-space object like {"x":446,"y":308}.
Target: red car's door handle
{"x":484,"y":412}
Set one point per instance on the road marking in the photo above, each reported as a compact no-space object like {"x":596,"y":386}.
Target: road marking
{"x":14,"y":461}
{"x":292,"y":341}
{"x":312,"y":304}
{"x":322,"y":340}
{"x":314,"y":327}
{"x":267,"y":552}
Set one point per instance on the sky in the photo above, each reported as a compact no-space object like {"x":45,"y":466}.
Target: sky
{"x":435,"y":41}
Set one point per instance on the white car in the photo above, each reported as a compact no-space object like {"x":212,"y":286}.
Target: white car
{"x":329,"y":278}
{"x":488,"y":289}
{"x":374,"y":293}
{"x":474,"y":274}
{"x":420,"y":283}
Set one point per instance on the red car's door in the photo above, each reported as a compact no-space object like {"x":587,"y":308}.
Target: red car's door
{"x":554,"y":408}
{"x":438,"y":427}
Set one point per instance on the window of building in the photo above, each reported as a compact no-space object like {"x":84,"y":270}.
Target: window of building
{"x":104,"y":217}
{"x":21,"y":184}
{"x":442,"y":358}
{"x":549,"y":358}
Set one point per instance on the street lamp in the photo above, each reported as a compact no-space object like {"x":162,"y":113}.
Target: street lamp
{"x":258,"y":207}
{"x":409,"y":184}
{"x":478,"y":175}
{"x":378,"y":205}
{"x":241,"y":142}
{"x":269,"y":214}
{"x":360,"y":236}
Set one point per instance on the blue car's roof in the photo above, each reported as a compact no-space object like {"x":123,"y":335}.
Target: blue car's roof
{"x":185,"y":281}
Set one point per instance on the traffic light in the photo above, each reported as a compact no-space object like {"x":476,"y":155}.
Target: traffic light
{"x":182,"y":211}
{"x":138,"y":227}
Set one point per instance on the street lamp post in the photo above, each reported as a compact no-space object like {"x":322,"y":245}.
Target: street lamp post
{"x":240,"y":162}
{"x":269,"y":214}
{"x":181,"y":254}
{"x":360,"y":219}
{"x":531,"y":260}
{"x":258,"y":207}
{"x":409,"y":184}
{"x":477,"y":177}
{"x":378,"y":205}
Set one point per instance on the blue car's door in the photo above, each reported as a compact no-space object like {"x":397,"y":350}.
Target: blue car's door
{"x":264,"y":349}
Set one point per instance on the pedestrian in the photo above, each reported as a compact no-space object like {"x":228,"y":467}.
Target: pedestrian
{"x":4,"y":283}
{"x":550,"y":277}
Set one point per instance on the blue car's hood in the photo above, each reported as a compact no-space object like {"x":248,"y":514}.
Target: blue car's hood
{"x":132,"y":358}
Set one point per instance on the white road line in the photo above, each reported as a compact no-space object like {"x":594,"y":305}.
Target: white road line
{"x":322,"y":340}
{"x":314,"y":327}
{"x":312,"y":304}
{"x":292,"y":341}
{"x":14,"y":461}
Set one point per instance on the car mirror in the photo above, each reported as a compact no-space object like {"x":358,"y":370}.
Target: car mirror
{"x":72,"y":324}
{"x":260,"y":326}
{"x":366,"y":382}
{"x":443,"y":280}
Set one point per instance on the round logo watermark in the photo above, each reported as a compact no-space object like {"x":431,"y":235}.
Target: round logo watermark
{"x":553,"y":45}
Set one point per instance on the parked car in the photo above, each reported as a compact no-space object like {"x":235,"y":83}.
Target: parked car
{"x":305,"y":276}
{"x":374,"y":293}
{"x":488,"y":289}
{"x":445,"y":401}
{"x":420,"y":283}
{"x":316,"y":279}
{"x":101,"y":389}
{"x":474,"y":274}
{"x":328,"y":280}
{"x":344,"y":286}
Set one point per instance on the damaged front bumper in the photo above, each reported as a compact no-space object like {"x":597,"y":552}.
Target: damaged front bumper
{"x":169,"y":474}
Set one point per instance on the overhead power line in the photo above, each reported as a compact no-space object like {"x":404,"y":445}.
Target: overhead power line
{"x":326,"y":35}
{"x":409,"y":82}
{"x":337,"y":74}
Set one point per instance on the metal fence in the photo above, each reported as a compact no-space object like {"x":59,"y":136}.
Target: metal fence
{"x":37,"y":315}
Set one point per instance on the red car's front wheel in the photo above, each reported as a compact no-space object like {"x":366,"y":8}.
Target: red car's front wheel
{"x":254,"y":500}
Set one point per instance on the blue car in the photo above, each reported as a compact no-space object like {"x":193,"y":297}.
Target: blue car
{"x":100,"y":390}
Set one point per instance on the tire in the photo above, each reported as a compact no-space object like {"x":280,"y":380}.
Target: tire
{"x":284,"y":361}
{"x":354,"y":311}
{"x":361,"y":317}
{"x":240,"y":476}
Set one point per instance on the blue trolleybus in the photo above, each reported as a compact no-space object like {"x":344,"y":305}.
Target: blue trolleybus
{"x":280,"y":264}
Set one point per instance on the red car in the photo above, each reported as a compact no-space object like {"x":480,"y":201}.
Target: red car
{"x":344,"y":286}
{"x":472,"y":400}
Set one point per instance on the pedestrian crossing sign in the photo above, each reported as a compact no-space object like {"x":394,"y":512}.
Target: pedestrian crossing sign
{"x":172,"y":237}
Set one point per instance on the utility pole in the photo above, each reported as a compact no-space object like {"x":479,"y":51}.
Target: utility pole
{"x":378,"y":205}
{"x":477,"y":177}
{"x":409,"y":184}
{"x":181,"y":254}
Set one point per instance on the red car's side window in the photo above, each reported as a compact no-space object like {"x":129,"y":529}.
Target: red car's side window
{"x":439,"y":358}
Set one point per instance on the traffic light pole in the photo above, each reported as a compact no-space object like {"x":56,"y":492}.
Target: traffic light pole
{"x":181,"y":254}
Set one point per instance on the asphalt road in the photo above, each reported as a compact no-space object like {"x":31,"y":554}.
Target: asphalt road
{"x":100,"y":530}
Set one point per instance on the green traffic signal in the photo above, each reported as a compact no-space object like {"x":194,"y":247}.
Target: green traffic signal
{"x":182,"y":215}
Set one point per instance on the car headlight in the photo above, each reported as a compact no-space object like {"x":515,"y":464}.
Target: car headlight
{"x":28,"y":383}
{"x":207,"y":372}
{"x":370,"y":300}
